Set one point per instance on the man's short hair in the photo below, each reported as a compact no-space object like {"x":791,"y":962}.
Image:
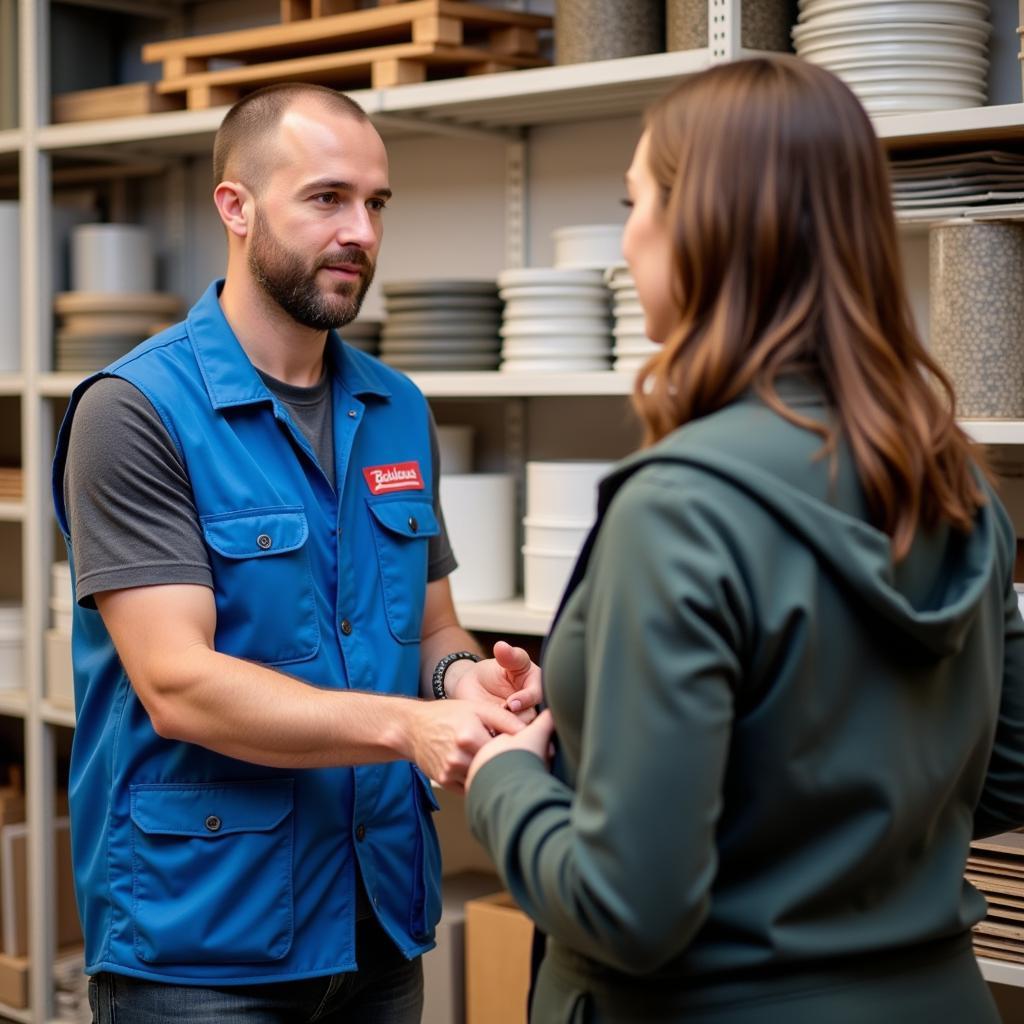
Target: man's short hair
{"x":249,"y":124}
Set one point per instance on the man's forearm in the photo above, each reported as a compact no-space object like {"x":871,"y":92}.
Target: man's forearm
{"x":256,"y":714}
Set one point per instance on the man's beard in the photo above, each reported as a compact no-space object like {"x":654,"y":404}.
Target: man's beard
{"x":286,"y":278}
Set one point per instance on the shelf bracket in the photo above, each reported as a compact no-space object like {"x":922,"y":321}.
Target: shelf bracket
{"x":725,"y":36}
{"x":516,"y":220}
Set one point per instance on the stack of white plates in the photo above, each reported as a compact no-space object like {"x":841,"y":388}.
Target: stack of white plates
{"x":441,"y":325}
{"x":632,"y":346}
{"x":95,"y":328}
{"x":900,"y":56}
{"x":974,"y":183}
{"x":555,"y":321}
{"x":363,"y":335}
{"x":561,"y":500}
{"x":61,"y":597}
{"x":12,"y":646}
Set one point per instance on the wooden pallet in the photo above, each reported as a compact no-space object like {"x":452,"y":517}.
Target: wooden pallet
{"x":385,"y":46}
{"x":296,"y":10}
{"x":134,"y":99}
{"x":996,"y":868}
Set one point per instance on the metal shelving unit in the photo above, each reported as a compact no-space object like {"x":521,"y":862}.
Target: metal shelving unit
{"x":503,"y":106}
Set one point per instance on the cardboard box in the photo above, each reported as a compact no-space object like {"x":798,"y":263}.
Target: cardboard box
{"x":444,"y":967}
{"x":499,"y":937}
{"x":60,"y":684}
{"x":14,"y":981}
{"x":14,"y":889}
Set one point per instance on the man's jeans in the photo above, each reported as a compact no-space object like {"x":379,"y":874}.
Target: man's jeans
{"x":387,"y":989}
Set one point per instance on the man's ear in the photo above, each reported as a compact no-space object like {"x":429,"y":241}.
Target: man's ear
{"x":236,"y":206}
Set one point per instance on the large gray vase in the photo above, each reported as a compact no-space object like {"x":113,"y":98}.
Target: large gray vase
{"x":587,"y":30}
{"x":976,"y":299}
{"x":764,"y":24}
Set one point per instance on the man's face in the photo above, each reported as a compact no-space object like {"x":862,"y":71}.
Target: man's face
{"x":318,"y":224}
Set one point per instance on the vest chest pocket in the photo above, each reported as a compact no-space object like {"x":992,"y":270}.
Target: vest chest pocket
{"x":263,"y":583}
{"x":212,"y":871}
{"x":401,"y":530}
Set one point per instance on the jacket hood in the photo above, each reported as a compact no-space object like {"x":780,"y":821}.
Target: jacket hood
{"x":930,"y":599}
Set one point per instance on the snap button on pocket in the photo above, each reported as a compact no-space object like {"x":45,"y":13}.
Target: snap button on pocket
{"x":413,"y":525}
{"x":360,"y":832}
{"x":264,"y":541}
{"x":212,"y":823}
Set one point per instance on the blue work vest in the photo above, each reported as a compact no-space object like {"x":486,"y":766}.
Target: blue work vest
{"x":196,"y":868}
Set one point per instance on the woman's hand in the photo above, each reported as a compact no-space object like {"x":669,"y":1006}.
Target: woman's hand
{"x":535,"y":738}
{"x":510,"y":678}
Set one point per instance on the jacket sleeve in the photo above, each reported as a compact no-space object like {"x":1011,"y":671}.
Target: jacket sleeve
{"x":1001,"y":807}
{"x":621,"y":868}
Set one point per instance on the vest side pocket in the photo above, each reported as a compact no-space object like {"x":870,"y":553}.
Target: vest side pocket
{"x":401,"y":529}
{"x":425,"y":907}
{"x":212,"y":871}
{"x":263,"y":584}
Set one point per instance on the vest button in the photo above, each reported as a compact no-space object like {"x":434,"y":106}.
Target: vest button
{"x":413,"y":525}
{"x":264,"y":541}
{"x":360,"y":832}
{"x":212,"y":823}
{"x":352,"y":414}
{"x":346,"y":627}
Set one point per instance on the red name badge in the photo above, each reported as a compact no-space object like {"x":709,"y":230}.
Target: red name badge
{"x":398,"y":476}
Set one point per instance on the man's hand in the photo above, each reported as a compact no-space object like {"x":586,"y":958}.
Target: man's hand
{"x":445,"y":734}
{"x":535,"y":738}
{"x":509,"y":679}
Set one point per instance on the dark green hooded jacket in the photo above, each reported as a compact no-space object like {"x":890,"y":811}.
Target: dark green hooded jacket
{"x":775,"y":747}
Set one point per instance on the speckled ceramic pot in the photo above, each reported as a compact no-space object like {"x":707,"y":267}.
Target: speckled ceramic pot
{"x":765,"y":24}
{"x":587,"y":30}
{"x":976,"y":287}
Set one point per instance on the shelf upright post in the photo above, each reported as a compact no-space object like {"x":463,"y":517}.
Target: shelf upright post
{"x":37,"y":529}
{"x":516,"y":214}
{"x":725,"y":38}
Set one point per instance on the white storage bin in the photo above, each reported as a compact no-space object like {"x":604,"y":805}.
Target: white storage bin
{"x":562,"y":536}
{"x":60,"y":682}
{"x":480,"y":511}
{"x":112,"y":258}
{"x":12,"y":647}
{"x":545,"y":574}
{"x":588,"y":246}
{"x":455,"y":444}
{"x":563,"y":491}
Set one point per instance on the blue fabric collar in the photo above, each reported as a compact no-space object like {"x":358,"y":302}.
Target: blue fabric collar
{"x":232,"y":380}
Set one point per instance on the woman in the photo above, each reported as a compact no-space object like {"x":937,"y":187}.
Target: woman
{"x":788,"y":676}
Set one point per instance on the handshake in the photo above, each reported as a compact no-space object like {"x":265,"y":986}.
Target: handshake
{"x":487,"y":699}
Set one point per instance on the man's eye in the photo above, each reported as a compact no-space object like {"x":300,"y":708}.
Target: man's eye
{"x":325,"y":198}
{"x":377,"y":204}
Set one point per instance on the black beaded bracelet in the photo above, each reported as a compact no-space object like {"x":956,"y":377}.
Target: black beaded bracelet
{"x":437,"y":680}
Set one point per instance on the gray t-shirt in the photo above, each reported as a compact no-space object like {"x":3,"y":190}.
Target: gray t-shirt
{"x":131,"y":512}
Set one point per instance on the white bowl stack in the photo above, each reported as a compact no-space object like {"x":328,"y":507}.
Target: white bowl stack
{"x":555,"y":321}
{"x":561,"y":500}
{"x":587,"y":246}
{"x":632,"y":346}
{"x":12,"y":647}
{"x":900,"y":56}
{"x":62,"y":600}
{"x":441,"y":325}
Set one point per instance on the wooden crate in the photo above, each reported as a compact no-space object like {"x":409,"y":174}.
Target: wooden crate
{"x":136,"y":98}
{"x":996,"y":868}
{"x":381,"y":47}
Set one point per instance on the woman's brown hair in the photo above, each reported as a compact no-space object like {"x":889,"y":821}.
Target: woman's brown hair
{"x":777,"y":193}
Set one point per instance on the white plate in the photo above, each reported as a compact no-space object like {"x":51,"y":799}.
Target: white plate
{"x":550,"y":277}
{"x":812,"y":8}
{"x":629,"y":325}
{"x":555,"y":291}
{"x":557,"y":348}
{"x":881,"y":14}
{"x":443,"y":318}
{"x":977,"y":67}
{"x":853,"y":34}
{"x":909,"y":78}
{"x":439,"y":347}
{"x":596,"y":326}
{"x":404,"y":304}
{"x":915,"y":90}
{"x":518,"y":309}
{"x":442,"y":362}
{"x":898,"y":48}
{"x":554,"y":365}
{"x":453,"y":286}
{"x":399,"y":331}
{"x":885,"y":105}
{"x":633,"y":307}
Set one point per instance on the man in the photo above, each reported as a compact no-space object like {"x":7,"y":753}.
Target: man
{"x":251,"y":510}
